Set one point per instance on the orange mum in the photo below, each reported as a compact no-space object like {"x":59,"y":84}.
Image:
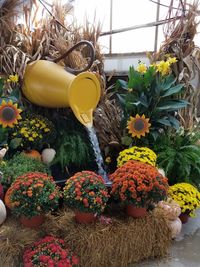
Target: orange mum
{"x":138,"y":126}
{"x":138,"y":183}
{"x":9,"y":114}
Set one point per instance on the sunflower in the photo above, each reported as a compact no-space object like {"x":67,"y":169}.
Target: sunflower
{"x":138,"y":126}
{"x":9,"y":114}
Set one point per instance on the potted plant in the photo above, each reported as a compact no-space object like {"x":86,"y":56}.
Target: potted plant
{"x":86,"y":193}
{"x":188,"y":197}
{"x":32,"y":195}
{"x":142,"y":154}
{"x":49,"y":251}
{"x":138,"y":185}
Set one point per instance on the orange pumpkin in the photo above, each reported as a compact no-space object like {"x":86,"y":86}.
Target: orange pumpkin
{"x":7,"y":198}
{"x":33,"y":154}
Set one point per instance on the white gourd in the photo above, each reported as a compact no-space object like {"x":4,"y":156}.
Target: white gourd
{"x":48,"y":155}
{"x":176,"y":226}
{"x":2,"y":212}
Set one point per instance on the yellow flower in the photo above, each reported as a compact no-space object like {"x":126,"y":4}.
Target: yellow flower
{"x":9,"y":114}
{"x":108,"y":159}
{"x":187,"y":196}
{"x":13,"y":78}
{"x":142,"y":68}
{"x":46,"y":130}
{"x":163,"y":67}
{"x":34,"y":134}
{"x":171,"y":60}
{"x":138,"y":126}
{"x":142,"y":154}
{"x":130,"y":90}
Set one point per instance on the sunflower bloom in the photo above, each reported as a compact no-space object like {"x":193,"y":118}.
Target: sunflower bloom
{"x":9,"y":114}
{"x":138,"y":126}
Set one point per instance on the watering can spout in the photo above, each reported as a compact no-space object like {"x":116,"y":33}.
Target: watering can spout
{"x":50,"y":85}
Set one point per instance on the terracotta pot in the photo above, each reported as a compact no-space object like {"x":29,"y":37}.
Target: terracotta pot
{"x":135,"y":212}
{"x":184,"y":217}
{"x":84,"y":217}
{"x":32,"y":222}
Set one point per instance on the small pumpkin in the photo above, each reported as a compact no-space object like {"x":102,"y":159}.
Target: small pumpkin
{"x":2,"y":212}
{"x":7,"y":198}
{"x":171,"y":208}
{"x":48,"y":155}
{"x":176,"y":226}
{"x":3,"y":152}
{"x":33,"y":154}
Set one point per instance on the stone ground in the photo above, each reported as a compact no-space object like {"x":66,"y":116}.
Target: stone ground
{"x":185,"y":251}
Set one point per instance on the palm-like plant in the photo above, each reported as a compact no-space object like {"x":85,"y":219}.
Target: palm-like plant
{"x":179,"y":156}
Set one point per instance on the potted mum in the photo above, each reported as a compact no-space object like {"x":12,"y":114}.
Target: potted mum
{"x":142,"y":154}
{"x":138,"y":185}
{"x":32,"y":195}
{"x":49,"y":251}
{"x":188,"y":197}
{"x":86,"y":193}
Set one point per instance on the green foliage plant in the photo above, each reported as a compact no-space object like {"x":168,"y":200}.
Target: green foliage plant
{"x":179,"y":155}
{"x":19,"y":165}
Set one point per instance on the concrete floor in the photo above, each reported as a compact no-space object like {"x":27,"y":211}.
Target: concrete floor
{"x":185,"y":251}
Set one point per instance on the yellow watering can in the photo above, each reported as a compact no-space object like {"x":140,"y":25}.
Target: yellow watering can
{"x":50,"y":85}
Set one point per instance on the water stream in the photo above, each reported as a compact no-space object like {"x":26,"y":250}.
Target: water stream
{"x":97,"y":152}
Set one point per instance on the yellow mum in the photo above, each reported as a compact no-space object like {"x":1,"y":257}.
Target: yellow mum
{"x":142,"y":154}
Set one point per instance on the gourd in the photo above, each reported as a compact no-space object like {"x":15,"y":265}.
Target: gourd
{"x":176,"y":226}
{"x":33,"y":154}
{"x":2,"y":212}
{"x":172,"y":209}
{"x":48,"y":155}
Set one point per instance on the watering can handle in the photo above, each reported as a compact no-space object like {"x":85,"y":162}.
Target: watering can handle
{"x":92,"y":56}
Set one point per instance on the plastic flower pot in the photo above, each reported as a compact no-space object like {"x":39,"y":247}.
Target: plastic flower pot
{"x":135,"y":212}
{"x":85,"y":217}
{"x":184,"y":217}
{"x":32,"y":222}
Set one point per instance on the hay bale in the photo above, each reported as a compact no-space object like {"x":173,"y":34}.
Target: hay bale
{"x":123,"y":242}
{"x":13,"y":239}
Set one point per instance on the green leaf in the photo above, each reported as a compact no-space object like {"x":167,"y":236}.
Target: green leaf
{"x":121,"y":84}
{"x":15,"y":143}
{"x":126,"y":140}
{"x":168,"y":82}
{"x":121,"y":99}
{"x":174,"y":122}
{"x":173,"y":90}
{"x":172,"y":105}
{"x":165,"y":122}
{"x":143,"y":100}
{"x":154,"y":134}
